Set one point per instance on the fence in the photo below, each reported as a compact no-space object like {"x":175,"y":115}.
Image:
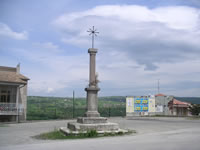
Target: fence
{"x":53,"y":112}
{"x":10,"y":108}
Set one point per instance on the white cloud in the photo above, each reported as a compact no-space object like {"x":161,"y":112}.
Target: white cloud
{"x":180,"y":17}
{"x":49,"y":90}
{"x":150,"y":36}
{"x":138,"y":45}
{"x":52,"y":69}
{"x":47,"y":45}
{"x":8,"y":32}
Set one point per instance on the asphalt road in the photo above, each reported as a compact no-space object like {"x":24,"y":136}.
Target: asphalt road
{"x":155,"y":133}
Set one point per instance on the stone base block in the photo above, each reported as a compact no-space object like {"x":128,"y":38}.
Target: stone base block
{"x":66,"y":131}
{"x":98,"y":127}
{"x":91,"y":120}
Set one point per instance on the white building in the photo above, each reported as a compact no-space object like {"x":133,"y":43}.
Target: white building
{"x":13,"y":94}
{"x":140,"y":105}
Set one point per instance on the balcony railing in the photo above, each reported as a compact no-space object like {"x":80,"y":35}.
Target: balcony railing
{"x":10,"y":109}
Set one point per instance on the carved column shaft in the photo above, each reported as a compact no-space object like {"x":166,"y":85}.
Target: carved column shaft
{"x":92,"y":65}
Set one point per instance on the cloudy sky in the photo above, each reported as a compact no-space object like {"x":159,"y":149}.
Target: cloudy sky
{"x":140,"y":41}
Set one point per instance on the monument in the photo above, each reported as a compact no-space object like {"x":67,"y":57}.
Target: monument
{"x":92,"y":119}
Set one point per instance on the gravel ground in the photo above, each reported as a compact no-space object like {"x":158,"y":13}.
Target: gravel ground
{"x":152,"y":133}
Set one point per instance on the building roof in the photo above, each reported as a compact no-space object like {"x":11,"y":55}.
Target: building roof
{"x":10,"y":75}
{"x":177,"y":102}
{"x":160,"y":94}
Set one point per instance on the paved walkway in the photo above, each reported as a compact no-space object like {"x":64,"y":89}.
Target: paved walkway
{"x":152,"y":133}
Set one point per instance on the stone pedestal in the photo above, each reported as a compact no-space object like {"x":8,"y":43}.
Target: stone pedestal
{"x":92,"y":123}
{"x":102,"y":127}
{"x":92,"y":102}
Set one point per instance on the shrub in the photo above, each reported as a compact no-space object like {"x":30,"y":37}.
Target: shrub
{"x":91,"y":133}
{"x":195,"y":109}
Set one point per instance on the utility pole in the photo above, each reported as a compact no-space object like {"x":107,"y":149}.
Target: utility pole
{"x":73,"y":103}
{"x":17,"y":105}
{"x":55,"y":110}
{"x":158,"y":86}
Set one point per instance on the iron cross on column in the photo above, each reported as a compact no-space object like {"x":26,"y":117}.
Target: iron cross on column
{"x":93,"y":32}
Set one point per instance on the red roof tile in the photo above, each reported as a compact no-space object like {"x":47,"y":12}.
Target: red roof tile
{"x":177,"y":102}
{"x":160,"y":94}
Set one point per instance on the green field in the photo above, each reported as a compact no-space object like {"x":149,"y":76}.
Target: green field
{"x":45,"y":108}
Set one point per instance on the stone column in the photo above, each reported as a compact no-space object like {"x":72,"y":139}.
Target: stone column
{"x":92,"y":119}
{"x":92,"y":90}
{"x":92,"y":53}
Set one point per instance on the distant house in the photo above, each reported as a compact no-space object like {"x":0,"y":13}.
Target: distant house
{"x":178,"y":108}
{"x":161,"y":102}
{"x":13,"y":94}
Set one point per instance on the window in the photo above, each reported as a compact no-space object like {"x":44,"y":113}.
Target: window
{"x":7,"y":94}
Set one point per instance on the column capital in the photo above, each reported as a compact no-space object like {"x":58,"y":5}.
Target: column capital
{"x":92,"y":50}
{"x":95,"y":89}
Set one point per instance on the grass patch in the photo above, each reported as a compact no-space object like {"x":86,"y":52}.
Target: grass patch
{"x":54,"y":135}
{"x":58,"y":135}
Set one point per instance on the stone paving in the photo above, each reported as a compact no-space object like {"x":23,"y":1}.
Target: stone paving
{"x":152,"y":133}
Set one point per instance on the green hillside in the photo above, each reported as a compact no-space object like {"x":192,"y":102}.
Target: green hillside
{"x":41,"y":108}
{"x":193,"y":100}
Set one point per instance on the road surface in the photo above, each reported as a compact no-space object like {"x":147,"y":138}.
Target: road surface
{"x":152,"y":134}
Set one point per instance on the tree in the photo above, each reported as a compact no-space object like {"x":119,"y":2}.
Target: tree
{"x":195,"y":109}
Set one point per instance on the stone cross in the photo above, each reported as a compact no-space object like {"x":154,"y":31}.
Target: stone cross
{"x":92,"y":90}
{"x":93,"y":32}
{"x":92,"y":119}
